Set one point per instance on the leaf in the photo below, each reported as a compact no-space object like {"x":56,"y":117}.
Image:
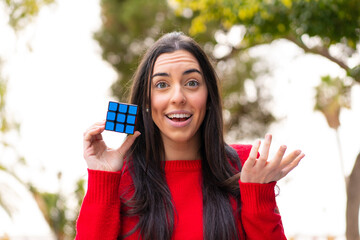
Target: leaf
{"x":332,"y":95}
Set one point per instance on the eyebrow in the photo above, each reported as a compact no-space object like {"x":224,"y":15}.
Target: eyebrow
{"x":192,"y":70}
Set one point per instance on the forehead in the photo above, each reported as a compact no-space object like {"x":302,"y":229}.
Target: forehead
{"x":176,"y":59}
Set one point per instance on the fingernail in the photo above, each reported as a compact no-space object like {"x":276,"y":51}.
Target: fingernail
{"x":268,"y":136}
{"x":297,"y":152}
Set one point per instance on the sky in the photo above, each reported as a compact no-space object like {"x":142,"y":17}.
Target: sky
{"x":59,"y":86}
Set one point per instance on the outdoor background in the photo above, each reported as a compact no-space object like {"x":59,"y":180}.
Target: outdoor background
{"x":290,"y":68}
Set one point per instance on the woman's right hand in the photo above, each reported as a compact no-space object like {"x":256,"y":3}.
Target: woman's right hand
{"x":98,"y":156}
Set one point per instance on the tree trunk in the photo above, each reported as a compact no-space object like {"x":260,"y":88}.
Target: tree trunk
{"x":353,"y":202}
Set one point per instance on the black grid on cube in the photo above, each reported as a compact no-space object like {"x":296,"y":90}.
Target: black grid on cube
{"x":121,"y":117}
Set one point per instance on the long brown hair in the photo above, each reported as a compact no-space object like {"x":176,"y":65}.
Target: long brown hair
{"x":152,"y":198}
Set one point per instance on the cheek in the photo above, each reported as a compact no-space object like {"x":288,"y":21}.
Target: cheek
{"x":158,"y":102}
{"x":201,"y":101}
{"x":201,"y":105}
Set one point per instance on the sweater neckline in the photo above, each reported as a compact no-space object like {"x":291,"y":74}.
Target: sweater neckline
{"x":182,"y":165}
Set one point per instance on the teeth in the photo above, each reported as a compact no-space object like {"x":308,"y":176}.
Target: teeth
{"x":179,"y":115}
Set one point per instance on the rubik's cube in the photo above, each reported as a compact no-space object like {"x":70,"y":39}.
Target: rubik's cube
{"x":121,"y":117}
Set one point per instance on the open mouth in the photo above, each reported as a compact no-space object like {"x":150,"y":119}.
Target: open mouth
{"x":178,"y":117}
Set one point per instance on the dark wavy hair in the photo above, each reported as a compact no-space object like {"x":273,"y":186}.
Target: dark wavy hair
{"x":152,"y":198}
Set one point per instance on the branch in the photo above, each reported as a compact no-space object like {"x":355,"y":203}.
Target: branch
{"x":236,"y":50}
{"x":322,"y":51}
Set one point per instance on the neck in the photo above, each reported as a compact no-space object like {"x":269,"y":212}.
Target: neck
{"x":189,"y":150}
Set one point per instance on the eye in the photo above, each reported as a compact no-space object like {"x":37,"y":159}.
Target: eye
{"x":161,"y":85}
{"x":192,"y":83}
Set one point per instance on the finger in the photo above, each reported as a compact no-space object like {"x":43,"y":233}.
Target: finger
{"x":265,"y":151}
{"x":92,"y":134}
{"x":97,"y":124}
{"x":89,"y":134}
{"x":289,"y":158}
{"x":293,"y":164}
{"x":253,"y":154}
{"x":130,"y":139}
{"x":278,"y":158}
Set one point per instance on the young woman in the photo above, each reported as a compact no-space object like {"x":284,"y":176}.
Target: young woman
{"x":176,"y":178}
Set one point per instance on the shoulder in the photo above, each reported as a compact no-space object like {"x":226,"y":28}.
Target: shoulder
{"x":242,"y":150}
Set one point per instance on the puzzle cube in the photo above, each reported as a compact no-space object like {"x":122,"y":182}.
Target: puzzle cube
{"x":121,"y":117}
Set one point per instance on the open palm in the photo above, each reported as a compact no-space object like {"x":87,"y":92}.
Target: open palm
{"x":261,"y":170}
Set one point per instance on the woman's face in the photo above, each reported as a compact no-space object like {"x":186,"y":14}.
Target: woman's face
{"x":178,"y":97}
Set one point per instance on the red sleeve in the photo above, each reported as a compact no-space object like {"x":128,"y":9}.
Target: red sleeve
{"x":243,"y":151}
{"x":259,"y":213}
{"x":99,"y":216}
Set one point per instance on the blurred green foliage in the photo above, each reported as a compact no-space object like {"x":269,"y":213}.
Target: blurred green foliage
{"x":332,"y":94}
{"x":55,"y":205}
{"x":55,"y":208}
{"x":21,"y":12}
{"x":332,"y":21}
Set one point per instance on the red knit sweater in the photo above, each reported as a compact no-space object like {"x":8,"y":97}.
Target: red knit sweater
{"x":100,"y":217}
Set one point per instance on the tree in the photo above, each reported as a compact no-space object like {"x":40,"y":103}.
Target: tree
{"x":327,"y":24}
{"x":7,"y":125}
{"x":22,"y":12}
{"x":332,"y":22}
{"x":54,"y":206}
{"x":126,"y":32}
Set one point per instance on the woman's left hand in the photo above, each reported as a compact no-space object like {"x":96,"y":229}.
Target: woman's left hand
{"x":260,"y":170}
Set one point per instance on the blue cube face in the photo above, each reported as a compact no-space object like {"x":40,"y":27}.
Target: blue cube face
{"x":133,"y":110}
{"x":109,"y":126}
{"x":111,"y":116}
{"x":123,"y":108}
{"x":130,"y":119}
{"x":129,"y":129}
{"x":121,"y":117}
{"x":113,"y":106}
{"x":119,"y":127}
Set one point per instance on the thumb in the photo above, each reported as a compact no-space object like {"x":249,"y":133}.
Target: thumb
{"x":130,"y":139}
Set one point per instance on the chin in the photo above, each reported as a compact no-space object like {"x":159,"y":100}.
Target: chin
{"x":181,"y":137}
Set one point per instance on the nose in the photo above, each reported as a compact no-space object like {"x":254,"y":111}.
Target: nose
{"x":178,"y":96}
